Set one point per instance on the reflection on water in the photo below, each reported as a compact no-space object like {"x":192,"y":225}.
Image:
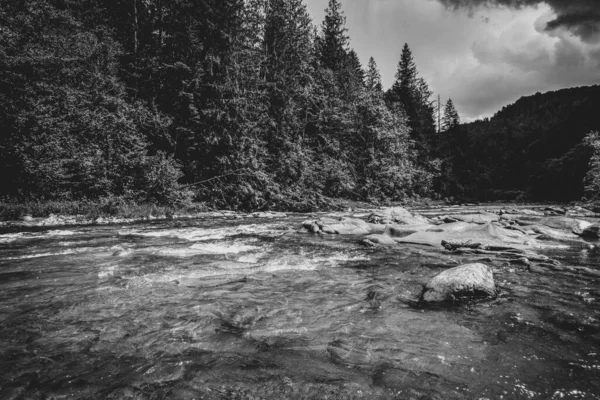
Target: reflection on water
{"x":239,"y":309}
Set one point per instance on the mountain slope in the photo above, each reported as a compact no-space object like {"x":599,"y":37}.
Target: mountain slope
{"x":531,"y":149}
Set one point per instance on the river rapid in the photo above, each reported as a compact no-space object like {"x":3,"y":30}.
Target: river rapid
{"x":254,"y":308}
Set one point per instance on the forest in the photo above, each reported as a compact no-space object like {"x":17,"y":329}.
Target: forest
{"x":249,"y":105}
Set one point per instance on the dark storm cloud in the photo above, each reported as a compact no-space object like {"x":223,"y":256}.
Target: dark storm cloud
{"x":582,"y":17}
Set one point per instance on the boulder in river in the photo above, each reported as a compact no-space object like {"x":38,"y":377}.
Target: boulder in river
{"x":570,"y":224}
{"x":592,"y":232}
{"x":397,"y":215}
{"x":481,"y":218}
{"x":465,"y":281}
{"x":344,"y":226}
{"x":488,"y":235}
{"x":383,"y":240}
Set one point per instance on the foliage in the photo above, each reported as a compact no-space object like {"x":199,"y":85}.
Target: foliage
{"x":592,"y":178}
{"x":244,"y":104}
{"x":450,"y":120}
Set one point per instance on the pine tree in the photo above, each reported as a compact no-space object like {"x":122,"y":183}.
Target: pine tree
{"x":289,"y":72}
{"x":450,"y":119}
{"x":70,"y":131}
{"x":334,"y":42}
{"x":355,"y":68}
{"x":373,"y":77}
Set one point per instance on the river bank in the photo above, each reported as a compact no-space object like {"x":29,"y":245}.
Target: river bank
{"x":31,"y":214}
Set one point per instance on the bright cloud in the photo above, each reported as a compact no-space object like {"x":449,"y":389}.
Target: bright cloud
{"x":483,"y":58}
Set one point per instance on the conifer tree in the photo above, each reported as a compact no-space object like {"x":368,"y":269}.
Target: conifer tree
{"x":288,"y":71}
{"x":356,"y":67}
{"x":334,"y":42}
{"x":373,"y":77}
{"x":450,"y":119}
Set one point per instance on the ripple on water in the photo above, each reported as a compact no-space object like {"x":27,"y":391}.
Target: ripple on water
{"x":200,"y":234}
{"x":239,"y":310}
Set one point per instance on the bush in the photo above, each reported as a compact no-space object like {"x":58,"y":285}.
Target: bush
{"x":592,"y":178}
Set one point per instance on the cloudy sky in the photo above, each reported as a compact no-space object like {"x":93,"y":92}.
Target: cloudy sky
{"x":484,"y":54}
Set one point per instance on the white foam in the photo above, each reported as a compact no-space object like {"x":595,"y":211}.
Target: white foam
{"x":10,"y":237}
{"x":202,"y":234}
{"x":107,"y":272}
{"x":217,"y":248}
{"x":76,"y":250}
{"x":251,"y":258}
{"x":61,"y":233}
{"x":38,"y":255}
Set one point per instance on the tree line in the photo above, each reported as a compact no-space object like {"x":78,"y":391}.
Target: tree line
{"x":243,"y":104}
{"x":541,"y":148}
{"x":240,"y":103}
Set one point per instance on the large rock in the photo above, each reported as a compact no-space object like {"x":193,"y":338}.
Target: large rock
{"x":487,"y":235}
{"x":592,"y":232}
{"x":344,"y":226}
{"x":481,"y":218}
{"x":383,"y":240}
{"x":397,"y":215}
{"x":566,"y":223}
{"x":470,"y":281}
{"x":399,"y":231}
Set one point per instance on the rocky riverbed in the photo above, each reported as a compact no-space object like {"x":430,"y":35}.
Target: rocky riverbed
{"x":324,"y":305}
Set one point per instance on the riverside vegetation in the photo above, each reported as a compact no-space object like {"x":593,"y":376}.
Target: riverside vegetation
{"x":115,"y":108}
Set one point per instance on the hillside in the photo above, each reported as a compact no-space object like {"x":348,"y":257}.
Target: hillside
{"x":531,"y":149}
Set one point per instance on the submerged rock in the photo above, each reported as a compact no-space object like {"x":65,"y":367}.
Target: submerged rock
{"x":469,"y":280}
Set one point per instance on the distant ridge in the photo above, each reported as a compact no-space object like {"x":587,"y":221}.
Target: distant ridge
{"x":531,"y":149}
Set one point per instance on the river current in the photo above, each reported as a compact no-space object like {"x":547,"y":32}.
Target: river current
{"x":253,"y":308}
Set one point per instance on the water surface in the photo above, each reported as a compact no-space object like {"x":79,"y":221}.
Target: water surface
{"x":252,"y":308}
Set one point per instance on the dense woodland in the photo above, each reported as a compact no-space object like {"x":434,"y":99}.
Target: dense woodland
{"x":247,"y":104}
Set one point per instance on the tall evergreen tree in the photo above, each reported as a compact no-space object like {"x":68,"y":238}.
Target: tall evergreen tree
{"x":411,"y":94}
{"x":450,"y":119}
{"x":373,"y":77}
{"x":69,"y":131}
{"x":334,"y":42}
{"x":289,"y":72}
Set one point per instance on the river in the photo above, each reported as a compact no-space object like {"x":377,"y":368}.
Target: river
{"x":252,"y":308}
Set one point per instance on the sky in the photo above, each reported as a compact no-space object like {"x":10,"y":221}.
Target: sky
{"x":484,"y":54}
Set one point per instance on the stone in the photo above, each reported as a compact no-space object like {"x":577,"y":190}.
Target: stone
{"x":566,"y":223}
{"x":465,"y":281}
{"x":556,"y":210}
{"x":530,"y":213}
{"x":486,"y":234}
{"x":383,"y":240}
{"x":592,"y":232}
{"x":398,"y":215}
{"x":269,"y":214}
{"x":481,"y":218}
{"x":345,"y":226}
{"x":314,"y":228}
{"x":398,"y":231}
{"x":521,"y":261}
{"x":27,"y":218}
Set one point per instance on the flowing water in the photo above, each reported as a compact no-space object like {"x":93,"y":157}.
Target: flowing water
{"x":253,"y":308}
